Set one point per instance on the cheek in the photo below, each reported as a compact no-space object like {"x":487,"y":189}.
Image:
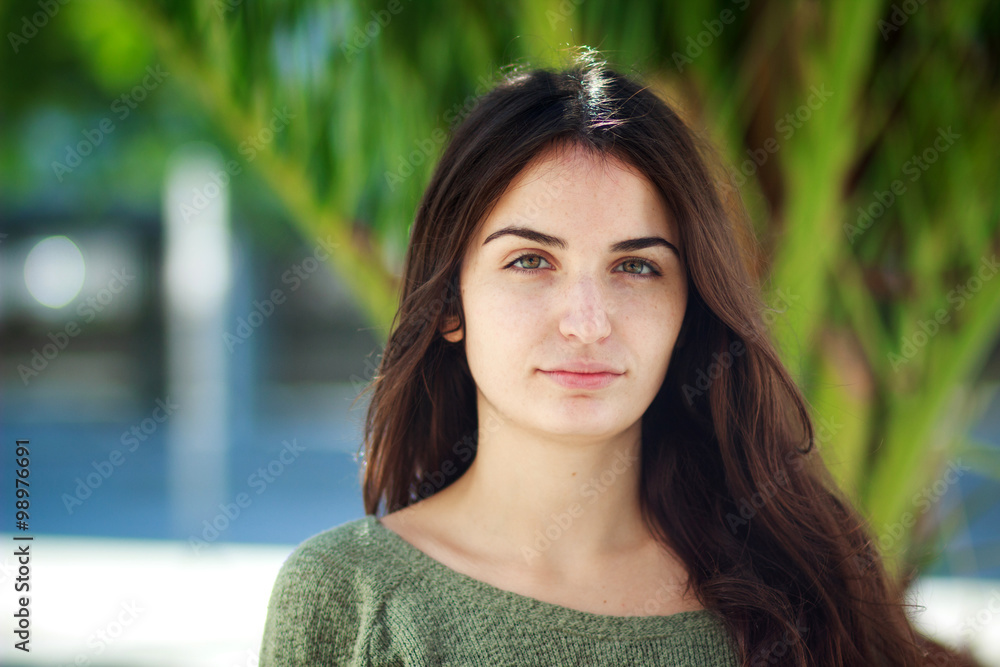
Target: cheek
{"x":660,"y":309}
{"x":650,"y":327}
{"x":499,"y":326}
{"x":503,"y":310}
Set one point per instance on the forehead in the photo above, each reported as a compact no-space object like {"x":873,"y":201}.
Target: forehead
{"x":570,"y":188}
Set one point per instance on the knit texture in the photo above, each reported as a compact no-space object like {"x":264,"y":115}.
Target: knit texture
{"x":359,"y":594}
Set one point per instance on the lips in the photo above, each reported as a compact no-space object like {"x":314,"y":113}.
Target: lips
{"x":585,"y":366}
{"x":583,"y":375}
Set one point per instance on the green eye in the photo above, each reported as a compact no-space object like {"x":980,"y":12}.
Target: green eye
{"x":635,"y":261}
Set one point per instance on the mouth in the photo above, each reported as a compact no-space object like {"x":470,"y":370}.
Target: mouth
{"x":573,"y":380}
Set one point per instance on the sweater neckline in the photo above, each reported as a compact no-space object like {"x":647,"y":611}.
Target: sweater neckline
{"x":546,"y":613}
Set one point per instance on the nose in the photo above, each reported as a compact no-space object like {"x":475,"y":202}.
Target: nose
{"x":585,"y":314}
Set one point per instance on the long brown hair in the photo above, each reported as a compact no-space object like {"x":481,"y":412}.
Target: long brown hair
{"x":730,"y":480}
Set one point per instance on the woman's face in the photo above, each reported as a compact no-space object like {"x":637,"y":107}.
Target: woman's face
{"x":592,"y":281}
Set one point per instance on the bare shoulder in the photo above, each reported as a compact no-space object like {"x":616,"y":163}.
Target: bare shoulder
{"x":420,"y":525}
{"x":410,"y":522}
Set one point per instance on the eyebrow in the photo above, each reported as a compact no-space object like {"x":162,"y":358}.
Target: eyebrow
{"x":628,"y":245}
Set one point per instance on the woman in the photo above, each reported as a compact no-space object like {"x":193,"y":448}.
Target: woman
{"x":590,"y":451}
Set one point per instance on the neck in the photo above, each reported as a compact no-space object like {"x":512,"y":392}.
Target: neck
{"x":552,"y":504}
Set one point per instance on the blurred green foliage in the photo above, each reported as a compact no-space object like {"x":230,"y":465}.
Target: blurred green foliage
{"x":860,"y":134}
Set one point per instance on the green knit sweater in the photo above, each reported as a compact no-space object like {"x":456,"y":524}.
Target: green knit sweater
{"x":359,"y":594}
